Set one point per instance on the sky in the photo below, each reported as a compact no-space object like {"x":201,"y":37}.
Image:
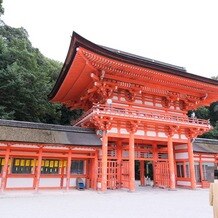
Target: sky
{"x":179,"y":32}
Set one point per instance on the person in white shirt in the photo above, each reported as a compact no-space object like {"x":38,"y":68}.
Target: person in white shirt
{"x":213,"y":194}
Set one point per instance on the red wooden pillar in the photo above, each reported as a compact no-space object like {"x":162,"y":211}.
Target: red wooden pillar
{"x":95,"y":176}
{"x":201,"y":168}
{"x":62,"y":174}
{"x":142,"y":172}
{"x":88,"y":173}
{"x":191,"y":164}
{"x":104,"y":161}
{"x":171,"y":163}
{"x":155,"y":158}
{"x":38,"y":171}
{"x":119,"y":162}
{"x":131,"y":163}
{"x":5,"y":169}
{"x":184,"y":169}
{"x":92,"y":172}
{"x":68,"y":170}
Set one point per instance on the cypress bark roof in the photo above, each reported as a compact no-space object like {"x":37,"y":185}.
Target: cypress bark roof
{"x":78,"y":41}
{"x":205,"y":145}
{"x":20,"y":131}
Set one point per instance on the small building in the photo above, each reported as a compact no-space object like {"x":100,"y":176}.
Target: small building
{"x":135,"y":115}
{"x":206,"y":160}
{"x":38,"y":156}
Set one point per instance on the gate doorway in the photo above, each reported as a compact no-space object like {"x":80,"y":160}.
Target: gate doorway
{"x":144,"y":172}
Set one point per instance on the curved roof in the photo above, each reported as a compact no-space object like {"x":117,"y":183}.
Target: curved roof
{"x":79,"y":41}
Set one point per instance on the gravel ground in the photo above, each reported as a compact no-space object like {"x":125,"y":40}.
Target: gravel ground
{"x":145,"y":202}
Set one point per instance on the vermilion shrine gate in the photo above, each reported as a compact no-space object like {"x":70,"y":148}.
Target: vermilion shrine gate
{"x":138,"y":107}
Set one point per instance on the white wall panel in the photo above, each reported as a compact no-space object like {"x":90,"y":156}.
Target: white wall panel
{"x":184,"y":183}
{"x":19,"y":183}
{"x":49,"y":182}
{"x":183,"y":155}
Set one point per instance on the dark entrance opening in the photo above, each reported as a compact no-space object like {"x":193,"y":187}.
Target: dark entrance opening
{"x":148,"y":170}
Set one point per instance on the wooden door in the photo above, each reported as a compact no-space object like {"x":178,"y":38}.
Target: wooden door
{"x":162,"y":177}
{"x":124,"y":174}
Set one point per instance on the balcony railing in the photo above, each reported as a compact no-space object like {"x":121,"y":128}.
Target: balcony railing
{"x":130,"y":113}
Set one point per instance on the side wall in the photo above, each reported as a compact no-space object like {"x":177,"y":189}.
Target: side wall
{"x":32,"y":166}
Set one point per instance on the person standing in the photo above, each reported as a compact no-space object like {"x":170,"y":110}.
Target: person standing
{"x":213,"y":194}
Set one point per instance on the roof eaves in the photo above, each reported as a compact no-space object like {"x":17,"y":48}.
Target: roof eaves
{"x":79,"y":41}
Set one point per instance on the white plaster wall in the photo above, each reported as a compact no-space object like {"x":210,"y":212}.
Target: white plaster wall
{"x":140,"y":132}
{"x":183,"y":136}
{"x":208,"y":159}
{"x":149,"y":103}
{"x":19,"y":183}
{"x":123,"y":131}
{"x":176,"y":136}
{"x":56,"y":148}
{"x":115,"y":97}
{"x":99,"y":185}
{"x":177,"y":147}
{"x":151,"y":133}
{"x":64,"y":182}
{"x":162,"y":134}
{"x":185,"y":183}
{"x":49,"y":182}
{"x":163,"y":156}
{"x":138,"y":101}
{"x":73,"y":181}
{"x":183,"y":155}
{"x":158,"y":105}
{"x":113,"y":130}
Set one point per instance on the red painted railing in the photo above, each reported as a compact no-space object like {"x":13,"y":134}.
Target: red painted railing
{"x":139,"y":114}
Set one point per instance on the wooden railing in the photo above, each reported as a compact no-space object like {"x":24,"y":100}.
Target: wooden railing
{"x":139,"y":114}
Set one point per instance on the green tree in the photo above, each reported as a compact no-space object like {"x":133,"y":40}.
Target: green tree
{"x":26,"y":78}
{"x":1,"y":8}
{"x":210,"y":113}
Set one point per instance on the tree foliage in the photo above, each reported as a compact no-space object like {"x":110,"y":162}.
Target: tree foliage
{"x":26,"y":78}
{"x":1,"y":8}
{"x":209,"y":113}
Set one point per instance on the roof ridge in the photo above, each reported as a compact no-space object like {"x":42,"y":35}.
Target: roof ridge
{"x":45,"y":126}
